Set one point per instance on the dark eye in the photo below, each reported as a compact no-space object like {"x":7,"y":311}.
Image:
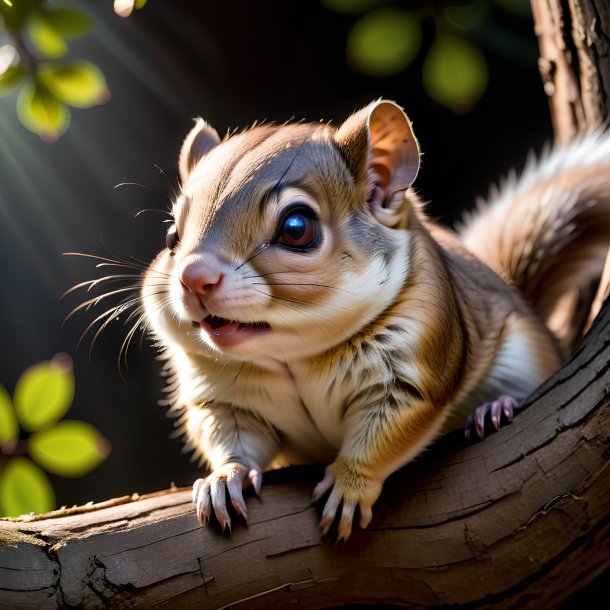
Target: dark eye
{"x":299,"y":229}
{"x":172,"y":239}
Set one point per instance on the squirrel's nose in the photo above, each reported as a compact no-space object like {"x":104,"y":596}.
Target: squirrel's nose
{"x":200,"y":277}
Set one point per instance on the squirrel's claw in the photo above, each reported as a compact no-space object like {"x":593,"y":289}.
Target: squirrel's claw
{"x":323,"y":486}
{"x":350,"y":489}
{"x":210,"y":494}
{"x":202,"y":501}
{"x":497,"y":413}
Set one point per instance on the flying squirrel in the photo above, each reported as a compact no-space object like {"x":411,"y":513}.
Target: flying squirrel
{"x":310,"y":311}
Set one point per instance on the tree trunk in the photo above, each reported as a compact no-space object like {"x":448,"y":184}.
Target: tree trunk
{"x":520,"y":520}
{"x":574,"y":38}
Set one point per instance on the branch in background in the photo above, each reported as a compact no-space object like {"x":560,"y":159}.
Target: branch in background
{"x":574,"y":62}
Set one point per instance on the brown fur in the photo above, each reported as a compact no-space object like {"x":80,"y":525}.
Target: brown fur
{"x":380,"y":336}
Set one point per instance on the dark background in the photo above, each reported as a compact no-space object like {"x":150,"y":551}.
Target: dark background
{"x":233,"y":63}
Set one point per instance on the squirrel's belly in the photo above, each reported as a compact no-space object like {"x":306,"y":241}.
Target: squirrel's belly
{"x":310,"y":431}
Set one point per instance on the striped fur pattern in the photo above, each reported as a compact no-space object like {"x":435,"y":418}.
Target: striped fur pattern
{"x":309,"y":310}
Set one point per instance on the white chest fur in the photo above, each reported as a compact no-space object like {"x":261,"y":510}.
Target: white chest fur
{"x":524,"y":359}
{"x":309,"y":425}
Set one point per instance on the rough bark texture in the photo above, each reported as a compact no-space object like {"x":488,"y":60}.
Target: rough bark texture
{"x":574,"y":38}
{"x":520,"y":520}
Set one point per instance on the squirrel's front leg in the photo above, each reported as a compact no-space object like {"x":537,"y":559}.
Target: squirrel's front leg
{"x":379,"y":438}
{"x":237,"y":446}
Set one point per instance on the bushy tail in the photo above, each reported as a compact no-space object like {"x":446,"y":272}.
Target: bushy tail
{"x":548,"y":232}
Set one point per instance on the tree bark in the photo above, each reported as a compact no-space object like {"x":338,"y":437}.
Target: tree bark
{"x":520,"y":520}
{"x":574,"y":39}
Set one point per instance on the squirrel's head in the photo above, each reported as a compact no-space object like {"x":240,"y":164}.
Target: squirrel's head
{"x":287,"y":239}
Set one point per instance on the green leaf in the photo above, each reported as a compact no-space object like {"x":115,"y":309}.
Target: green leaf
{"x":11,"y":78}
{"x":384,"y":42}
{"x":41,"y":112}
{"x":9,"y":427}
{"x":49,"y":29}
{"x":45,"y":37}
{"x":24,"y":488}
{"x":44,"y":393}
{"x":454,"y":73}
{"x":69,"y":23}
{"x":79,"y":84}
{"x":70,"y":448}
{"x":350,"y":6}
{"x":140,"y":4}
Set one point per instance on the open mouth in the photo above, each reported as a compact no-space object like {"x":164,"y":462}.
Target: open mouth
{"x":230,"y":332}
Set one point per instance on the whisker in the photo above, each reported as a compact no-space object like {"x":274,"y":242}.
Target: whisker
{"x":256,"y":252}
{"x":122,"y":357}
{"x":97,"y":299}
{"x":109,"y":262}
{"x":303,"y":284}
{"x":111,"y":314}
{"x":296,"y":154}
{"x":108,"y":314}
{"x":302,"y":302}
{"x":125,"y":263}
{"x":308,"y":314}
{"x":314,"y":284}
{"x":155,"y":210}
{"x":146,"y":188}
{"x":169,"y":182}
{"x":275,"y":191}
{"x":146,"y":266}
{"x":90,"y":284}
{"x":302,"y":339}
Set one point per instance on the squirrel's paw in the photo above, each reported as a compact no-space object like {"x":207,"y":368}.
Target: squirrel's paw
{"x":209,"y":494}
{"x":350,"y":489}
{"x":498,"y":412}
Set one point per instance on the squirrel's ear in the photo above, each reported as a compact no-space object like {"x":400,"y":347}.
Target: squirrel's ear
{"x":378,"y":145}
{"x":200,"y":140}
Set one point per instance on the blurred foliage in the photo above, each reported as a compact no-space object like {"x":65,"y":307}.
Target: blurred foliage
{"x":36,"y":35}
{"x":384,"y":41}
{"x":447,"y":57}
{"x":69,"y":448}
{"x":388,"y":37}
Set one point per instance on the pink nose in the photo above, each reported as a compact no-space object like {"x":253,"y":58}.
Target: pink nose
{"x":199,"y":277}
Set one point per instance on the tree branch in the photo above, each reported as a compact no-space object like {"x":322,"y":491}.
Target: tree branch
{"x":574,"y":62}
{"x":521,"y":519}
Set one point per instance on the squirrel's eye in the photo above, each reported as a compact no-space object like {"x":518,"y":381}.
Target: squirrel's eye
{"x":172,"y":239}
{"x":299,"y":230}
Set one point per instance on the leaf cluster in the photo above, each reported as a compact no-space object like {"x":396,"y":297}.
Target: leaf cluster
{"x":69,"y":448}
{"x":34,"y":61}
{"x":388,"y":38}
